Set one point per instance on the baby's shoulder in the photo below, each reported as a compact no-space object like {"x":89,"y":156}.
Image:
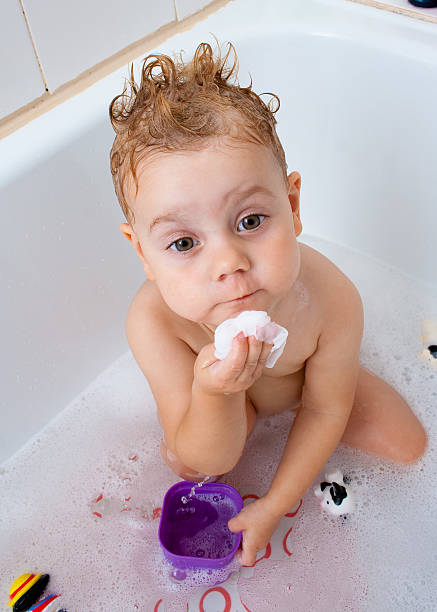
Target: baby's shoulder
{"x":153,"y":335}
{"x":150,"y":319}
{"x":145,"y":302}
{"x":147,"y":309}
{"x":332,"y":290}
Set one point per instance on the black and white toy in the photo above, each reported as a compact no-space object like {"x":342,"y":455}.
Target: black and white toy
{"x":429,"y":340}
{"x":335,"y":496}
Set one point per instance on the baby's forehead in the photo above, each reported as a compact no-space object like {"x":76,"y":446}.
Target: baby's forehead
{"x":219,"y":171}
{"x":159,"y":165}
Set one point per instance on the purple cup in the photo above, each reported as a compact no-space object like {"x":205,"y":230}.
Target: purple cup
{"x":202,"y":521}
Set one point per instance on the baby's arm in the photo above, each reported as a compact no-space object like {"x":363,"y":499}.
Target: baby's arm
{"x":201,"y":400}
{"x":213,"y":431}
{"x":330,"y":382}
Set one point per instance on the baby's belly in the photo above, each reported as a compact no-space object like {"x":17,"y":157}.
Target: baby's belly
{"x":272,"y":395}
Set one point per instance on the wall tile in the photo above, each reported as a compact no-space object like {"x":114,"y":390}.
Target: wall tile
{"x":404,"y":4}
{"x":19,"y":72}
{"x":188,"y":7}
{"x":71,"y":37}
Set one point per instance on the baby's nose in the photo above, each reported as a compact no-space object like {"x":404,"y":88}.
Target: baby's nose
{"x":227,"y":258}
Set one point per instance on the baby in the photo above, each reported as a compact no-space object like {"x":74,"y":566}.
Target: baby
{"x":214,"y":217}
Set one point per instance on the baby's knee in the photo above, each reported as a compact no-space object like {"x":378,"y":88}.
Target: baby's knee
{"x":416,"y":447}
{"x":179,"y":468}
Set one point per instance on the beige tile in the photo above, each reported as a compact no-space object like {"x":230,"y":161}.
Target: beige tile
{"x":71,"y":37}
{"x":404,"y":4}
{"x":19,"y":72}
{"x":403,"y":7}
{"x":185,"y":8}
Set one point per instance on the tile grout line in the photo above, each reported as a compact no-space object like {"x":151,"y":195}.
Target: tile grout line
{"x":34,"y":46}
{"x":88,"y":77}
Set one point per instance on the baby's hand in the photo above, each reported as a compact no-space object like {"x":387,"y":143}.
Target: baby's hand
{"x":258,"y":523}
{"x":237,"y":372}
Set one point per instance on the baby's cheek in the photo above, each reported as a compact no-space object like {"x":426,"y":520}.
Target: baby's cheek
{"x":185,"y":299}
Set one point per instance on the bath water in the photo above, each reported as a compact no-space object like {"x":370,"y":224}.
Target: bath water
{"x":213,"y":541}
{"x":81,"y":500}
{"x":185,"y":498}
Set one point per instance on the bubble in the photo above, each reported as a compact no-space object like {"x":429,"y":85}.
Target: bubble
{"x":178,"y":575}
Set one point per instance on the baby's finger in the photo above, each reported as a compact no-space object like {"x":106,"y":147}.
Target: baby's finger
{"x":206,"y":356}
{"x":238,"y":355}
{"x":247,"y":555}
{"x":255,"y":347}
{"x":265,"y":352}
{"x":239,"y":556}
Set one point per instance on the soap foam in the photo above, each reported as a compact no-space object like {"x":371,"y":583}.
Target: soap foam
{"x":383,"y":557}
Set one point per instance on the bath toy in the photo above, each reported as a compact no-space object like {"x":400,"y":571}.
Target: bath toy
{"x":335,"y":496}
{"x":25,"y":592}
{"x":51,"y":603}
{"x":424,"y":3}
{"x":195,"y":535}
{"x":429,"y":341}
{"x":251,"y":322}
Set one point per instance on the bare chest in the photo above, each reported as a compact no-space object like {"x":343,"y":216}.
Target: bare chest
{"x":274,"y":394}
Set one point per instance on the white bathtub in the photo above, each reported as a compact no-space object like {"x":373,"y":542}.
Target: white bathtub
{"x":358,"y":90}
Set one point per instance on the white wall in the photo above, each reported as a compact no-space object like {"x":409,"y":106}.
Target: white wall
{"x":47,"y":43}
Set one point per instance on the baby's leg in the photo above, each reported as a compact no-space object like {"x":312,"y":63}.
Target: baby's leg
{"x":178,"y":467}
{"x":382,"y":423}
{"x":187,"y":473}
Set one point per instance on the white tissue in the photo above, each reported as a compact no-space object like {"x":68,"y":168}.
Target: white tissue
{"x":251,"y":323}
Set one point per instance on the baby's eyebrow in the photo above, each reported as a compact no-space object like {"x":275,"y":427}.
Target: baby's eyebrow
{"x":175,"y":214}
{"x":171,"y":215}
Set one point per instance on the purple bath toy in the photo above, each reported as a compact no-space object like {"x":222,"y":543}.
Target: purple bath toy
{"x":195,"y":535}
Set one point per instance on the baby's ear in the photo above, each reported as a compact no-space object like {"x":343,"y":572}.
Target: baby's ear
{"x":128,"y":232}
{"x":295,"y":181}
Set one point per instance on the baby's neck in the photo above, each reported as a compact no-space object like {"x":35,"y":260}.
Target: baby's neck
{"x":208,"y":328}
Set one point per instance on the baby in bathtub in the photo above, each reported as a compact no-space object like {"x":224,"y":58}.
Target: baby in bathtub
{"x":214,"y":217}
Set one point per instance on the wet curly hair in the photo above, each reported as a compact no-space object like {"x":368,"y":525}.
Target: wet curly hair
{"x":180,"y":108}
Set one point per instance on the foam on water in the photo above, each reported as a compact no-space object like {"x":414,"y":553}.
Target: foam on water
{"x":81,"y":500}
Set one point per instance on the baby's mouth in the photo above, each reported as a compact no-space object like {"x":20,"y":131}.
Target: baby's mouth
{"x":242,"y":298}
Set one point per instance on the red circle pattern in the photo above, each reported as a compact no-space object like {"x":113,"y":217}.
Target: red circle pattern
{"x":223,"y":592}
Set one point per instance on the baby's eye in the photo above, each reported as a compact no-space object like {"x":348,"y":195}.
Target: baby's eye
{"x":250,"y":222}
{"x":183,"y":244}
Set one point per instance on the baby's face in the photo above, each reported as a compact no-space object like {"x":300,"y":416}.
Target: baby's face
{"x":216,"y":225}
